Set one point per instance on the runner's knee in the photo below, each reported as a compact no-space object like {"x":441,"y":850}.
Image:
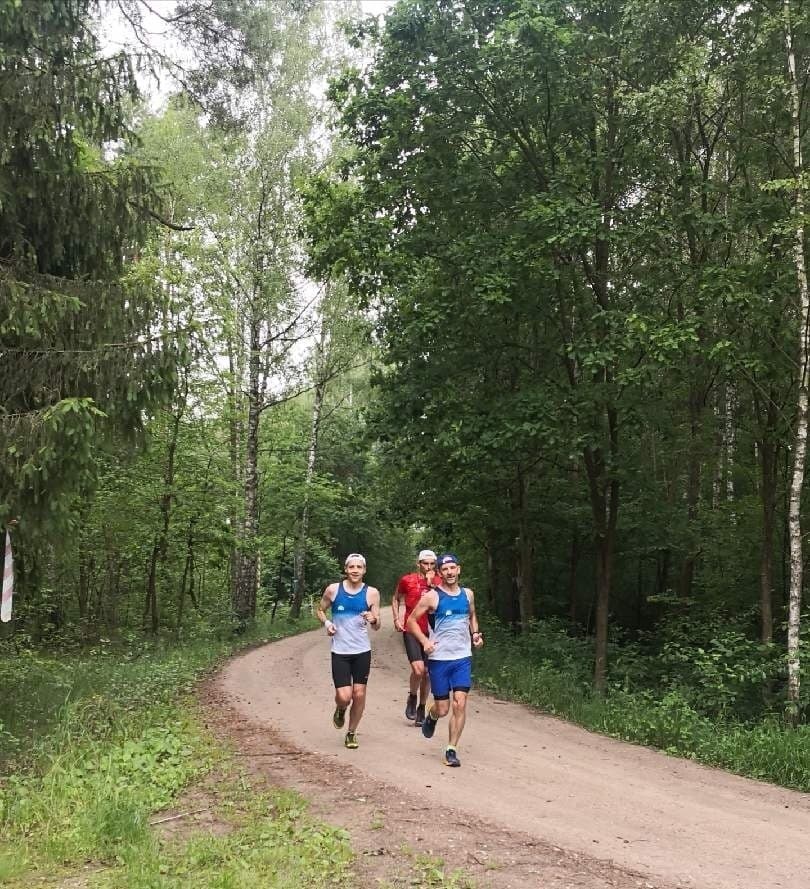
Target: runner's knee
{"x":442,"y":707}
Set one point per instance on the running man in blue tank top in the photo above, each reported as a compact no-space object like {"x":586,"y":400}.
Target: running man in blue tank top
{"x":449,"y":650}
{"x":355,"y":607}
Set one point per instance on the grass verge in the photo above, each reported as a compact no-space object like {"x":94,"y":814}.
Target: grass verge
{"x":98,"y":742}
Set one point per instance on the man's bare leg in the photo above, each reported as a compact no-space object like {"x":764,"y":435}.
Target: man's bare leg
{"x":458,"y":716}
{"x":416,"y":677}
{"x":440,"y":708}
{"x":358,"y":706}
{"x":343,"y":697}
{"x":424,"y":688}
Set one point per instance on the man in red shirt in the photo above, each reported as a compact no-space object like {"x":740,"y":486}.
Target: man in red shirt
{"x":409,"y":591}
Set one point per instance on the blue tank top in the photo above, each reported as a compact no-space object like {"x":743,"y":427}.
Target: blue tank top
{"x":352,"y":631}
{"x":451,"y":626}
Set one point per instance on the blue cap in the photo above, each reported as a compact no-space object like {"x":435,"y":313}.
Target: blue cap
{"x":447,"y":559}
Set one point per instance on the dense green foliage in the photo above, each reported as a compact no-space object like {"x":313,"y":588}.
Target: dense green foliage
{"x":155,"y":393}
{"x":573,"y":221}
{"x":82,"y":361}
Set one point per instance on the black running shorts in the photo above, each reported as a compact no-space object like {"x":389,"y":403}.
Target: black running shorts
{"x":413,"y":649}
{"x":351,"y":669}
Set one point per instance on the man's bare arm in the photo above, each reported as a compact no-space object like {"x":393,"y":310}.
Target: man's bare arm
{"x":396,"y":600}
{"x":324,"y":605}
{"x":477,"y":635}
{"x":373,"y":613}
{"x":427,"y":602}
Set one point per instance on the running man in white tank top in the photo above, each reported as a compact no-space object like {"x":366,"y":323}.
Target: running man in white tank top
{"x":355,"y":607}
{"x":449,"y":649}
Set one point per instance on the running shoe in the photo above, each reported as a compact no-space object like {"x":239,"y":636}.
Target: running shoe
{"x":420,"y":715}
{"x":410,"y":708}
{"x":429,"y":726}
{"x":451,"y":758}
{"x":338,"y":717}
{"x":351,"y":741}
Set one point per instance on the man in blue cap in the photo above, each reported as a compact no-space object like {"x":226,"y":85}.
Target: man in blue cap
{"x":449,"y":650}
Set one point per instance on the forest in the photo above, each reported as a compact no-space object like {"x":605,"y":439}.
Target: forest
{"x":523,"y":279}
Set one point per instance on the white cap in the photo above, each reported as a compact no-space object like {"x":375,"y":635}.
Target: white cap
{"x":425,"y":555}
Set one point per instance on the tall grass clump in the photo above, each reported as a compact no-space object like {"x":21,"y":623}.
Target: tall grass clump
{"x":274,"y":842}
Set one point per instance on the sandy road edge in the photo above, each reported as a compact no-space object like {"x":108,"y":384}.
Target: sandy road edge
{"x":389,"y":825}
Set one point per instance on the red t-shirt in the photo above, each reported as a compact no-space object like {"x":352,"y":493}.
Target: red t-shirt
{"x":410,"y":590}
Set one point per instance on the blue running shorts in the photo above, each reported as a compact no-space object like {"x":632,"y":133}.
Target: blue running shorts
{"x":447,"y":676}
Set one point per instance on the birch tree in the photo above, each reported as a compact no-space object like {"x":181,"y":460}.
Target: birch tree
{"x":803,"y":352}
{"x":259,"y":253}
{"x":338,"y":349}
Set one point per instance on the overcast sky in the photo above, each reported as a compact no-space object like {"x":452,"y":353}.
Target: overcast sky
{"x":117,"y":34}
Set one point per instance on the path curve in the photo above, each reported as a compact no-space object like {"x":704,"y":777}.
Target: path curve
{"x":670,"y":819}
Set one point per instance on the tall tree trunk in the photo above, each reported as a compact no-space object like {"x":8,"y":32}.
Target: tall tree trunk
{"x":150,"y":609}
{"x":279,"y":581}
{"x":604,"y":486}
{"x":800,"y":441}
{"x":639,"y":591}
{"x":692,"y":145}
{"x":604,"y":497}
{"x":83,"y":591}
{"x":492,"y":550}
{"x":244,"y":600}
{"x":312,"y":454}
{"x":729,"y":442}
{"x":161,"y":543}
{"x":524,"y":574}
{"x":604,"y":572}
{"x":692,"y":491}
{"x":767,"y":449}
{"x":723,"y":486}
{"x":233,"y":452}
{"x":187,"y":583}
{"x":187,"y":580}
{"x":573,"y":566}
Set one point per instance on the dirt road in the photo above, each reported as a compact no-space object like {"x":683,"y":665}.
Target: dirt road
{"x":596,"y":812}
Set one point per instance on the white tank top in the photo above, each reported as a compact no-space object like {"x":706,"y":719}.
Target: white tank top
{"x":352,"y":631}
{"x":451,"y":626}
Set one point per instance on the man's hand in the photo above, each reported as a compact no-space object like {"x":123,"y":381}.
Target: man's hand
{"x":430,"y":646}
